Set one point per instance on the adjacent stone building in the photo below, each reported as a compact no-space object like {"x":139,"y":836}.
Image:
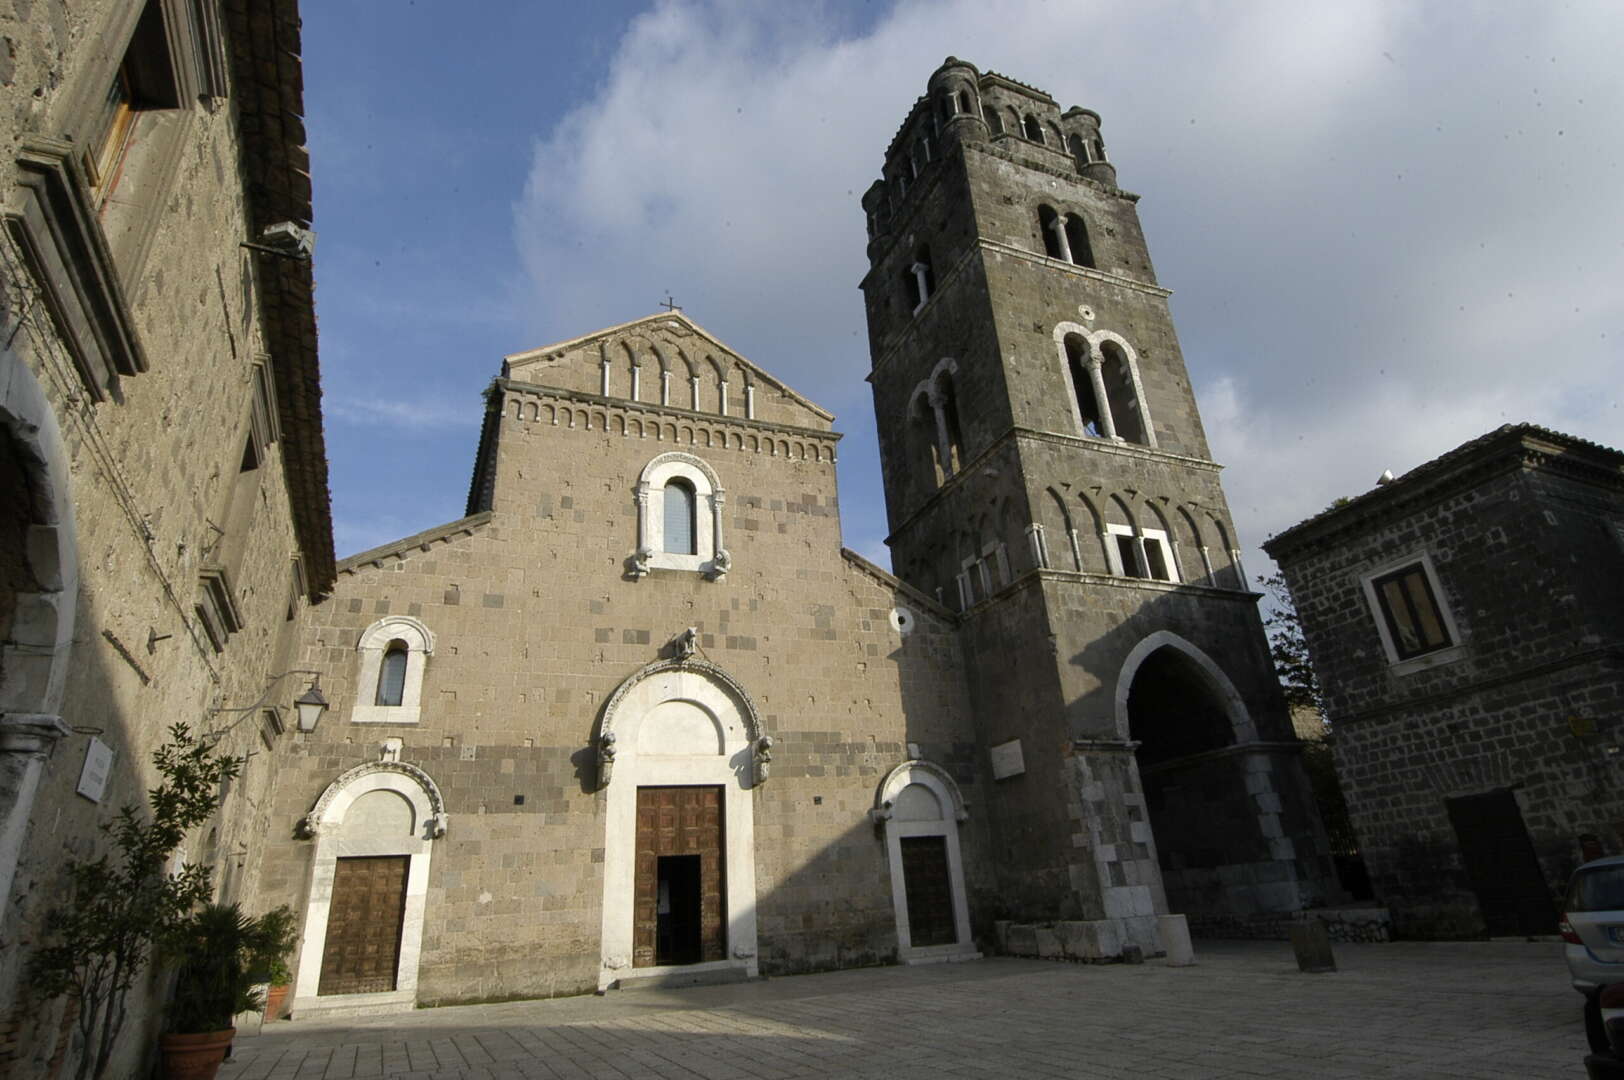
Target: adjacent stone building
{"x":163,"y":485}
{"x":1466,"y":624}
{"x":639,"y":715}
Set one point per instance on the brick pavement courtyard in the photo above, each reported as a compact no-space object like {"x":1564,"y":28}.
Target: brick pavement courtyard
{"x":1479,"y":1010}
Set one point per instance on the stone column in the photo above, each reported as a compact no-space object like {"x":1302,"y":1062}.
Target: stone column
{"x":1105,"y":546}
{"x":665,"y":388}
{"x":722,"y":400}
{"x":1240,"y":571}
{"x":920,"y":270}
{"x":693,"y":386}
{"x":749,"y":401}
{"x":1096,"y":377}
{"x":1144,"y":556}
{"x":721,"y":561}
{"x":1076,"y":550}
{"x":603,"y":381}
{"x":1058,"y":225}
{"x":637,"y":380}
{"x":26,"y":740}
{"x":1206,"y":564}
{"x":944,"y":446}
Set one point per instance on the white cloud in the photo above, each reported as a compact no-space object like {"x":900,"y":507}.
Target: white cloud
{"x":1390,"y":228}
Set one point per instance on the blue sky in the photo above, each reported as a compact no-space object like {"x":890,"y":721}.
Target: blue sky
{"x":1388,"y":228}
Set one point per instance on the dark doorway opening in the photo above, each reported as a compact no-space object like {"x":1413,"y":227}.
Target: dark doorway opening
{"x":1501,"y":864}
{"x":929,"y":889}
{"x":677,"y":938}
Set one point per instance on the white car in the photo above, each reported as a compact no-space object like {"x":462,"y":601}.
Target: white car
{"x":1593,"y":937}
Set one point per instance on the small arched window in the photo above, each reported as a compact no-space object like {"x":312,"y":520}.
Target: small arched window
{"x":1120,"y":391}
{"x":995,"y":123}
{"x":392,"y":674}
{"x":963,"y":101}
{"x":918,"y":279}
{"x":1088,"y":407}
{"x":1034,"y":130}
{"x":1077,"y":240}
{"x":679,"y":517}
{"x":394,"y":654}
{"x":1078,"y":149}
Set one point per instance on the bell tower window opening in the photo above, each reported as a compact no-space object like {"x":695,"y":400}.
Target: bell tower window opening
{"x":1083,"y":379}
{"x":952,"y":437}
{"x":679,"y":518}
{"x":1076,"y":234}
{"x":1120,"y":393}
{"x":1054,"y":234}
{"x":918,"y":279}
{"x":995,"y":123}
{"x":1032,"y":129}
{"x":392,"y":674}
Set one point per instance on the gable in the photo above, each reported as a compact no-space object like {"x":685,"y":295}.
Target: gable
{"x":667,"y":360}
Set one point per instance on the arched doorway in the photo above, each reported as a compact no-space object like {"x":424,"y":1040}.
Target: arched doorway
{"x":680,"y":750}
{"x":39,"y":592}
{"x":920,"y":808}
{"x":374,"y":828}
{"x":1209,"y":790}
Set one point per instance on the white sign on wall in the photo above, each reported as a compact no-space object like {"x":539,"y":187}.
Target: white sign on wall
{"x":1007,"y":760}
{"x":98,"y":766}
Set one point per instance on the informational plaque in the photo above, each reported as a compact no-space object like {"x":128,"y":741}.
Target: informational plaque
{"x":98,"y":765}
{"x":1007,"y":760}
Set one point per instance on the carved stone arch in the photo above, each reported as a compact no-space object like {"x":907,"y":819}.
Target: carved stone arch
{"x":1240,"y":718}
{"x":326,"y":824}
{"x":920,"y":771}
{"x":43,"y":581}
{"x":681,"y":722}
{"x":688,"y":367}
{"x":660,"y":357}
{"x":413,"y":631}
{"x":703,"y":669}
{"x":946,"y":365}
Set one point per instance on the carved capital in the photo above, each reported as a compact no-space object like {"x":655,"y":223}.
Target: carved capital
{"x":31,"y":733}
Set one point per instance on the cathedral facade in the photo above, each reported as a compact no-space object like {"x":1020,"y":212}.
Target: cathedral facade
{"x":639,"y":715}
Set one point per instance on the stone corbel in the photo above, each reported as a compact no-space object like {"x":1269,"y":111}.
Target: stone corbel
{"x":31,"y":733}
{"x":304,"y":829}
{"x":435,"y":827}
{"x":606,"y":758}
{"x":880,"y":814}
{"x":762,"y":758}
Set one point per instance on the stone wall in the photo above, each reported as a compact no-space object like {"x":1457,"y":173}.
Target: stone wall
{"x":150,"y":367}
{"x":1528,"y":700}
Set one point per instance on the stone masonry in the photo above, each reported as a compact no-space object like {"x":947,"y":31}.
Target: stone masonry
{"x":1523,"y":533}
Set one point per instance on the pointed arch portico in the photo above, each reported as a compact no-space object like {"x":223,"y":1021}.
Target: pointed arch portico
{"x":1240,"y":719}
{"x":679,"y":723}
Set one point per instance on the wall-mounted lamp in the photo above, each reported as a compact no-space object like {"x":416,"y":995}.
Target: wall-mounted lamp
{"x":310,"y":706}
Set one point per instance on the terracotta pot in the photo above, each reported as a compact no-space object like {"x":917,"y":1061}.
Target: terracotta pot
{"x":195,"y":1057}
{"x":276,"y":999}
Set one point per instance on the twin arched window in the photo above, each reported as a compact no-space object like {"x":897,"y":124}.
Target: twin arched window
{"x":1065,"y":237}
{"x":1106,"y":391}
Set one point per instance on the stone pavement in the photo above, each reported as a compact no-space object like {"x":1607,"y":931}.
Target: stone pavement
{"x":1489,"y":1011}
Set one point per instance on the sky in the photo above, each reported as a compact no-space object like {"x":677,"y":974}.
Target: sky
{"x":1388,"y":228}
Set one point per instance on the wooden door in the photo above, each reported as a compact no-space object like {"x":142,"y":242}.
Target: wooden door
{"x":929,"y":888}
{"x":362,"y":951}
{"x":678,"y":821}
{"x":1501,"y":864}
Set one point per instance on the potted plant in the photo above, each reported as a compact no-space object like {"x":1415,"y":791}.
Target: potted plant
{"x":279,"y":978}
{"x":219,"y":953}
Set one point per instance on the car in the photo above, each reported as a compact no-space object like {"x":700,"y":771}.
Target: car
{"x":1593,"y":937}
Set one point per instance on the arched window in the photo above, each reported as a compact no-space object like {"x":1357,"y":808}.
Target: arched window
{"x":1117,"y":374}
{"x":995,"y":123}
{"x":962,"y":99}
{"x":950,"y":421}
{"x":392,"y":674}
{"x":1077,"y":240}
{"x":679,"y":517}
{"x":1034,"y":130}
{"x":1082,"y":384}
{"x":1079,"y":149}
{"x":394,"y":656}
{"x":1053,"y":235}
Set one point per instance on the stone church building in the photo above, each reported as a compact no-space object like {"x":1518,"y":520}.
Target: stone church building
{"x":640,"y":715}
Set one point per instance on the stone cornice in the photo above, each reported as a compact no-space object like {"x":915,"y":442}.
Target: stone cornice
{"x":1015,"y":434}
{"x":1119,"y":280}
{"x":628,"y":406}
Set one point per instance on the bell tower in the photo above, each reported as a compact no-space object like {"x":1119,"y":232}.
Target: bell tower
{"x":1047,"y":476}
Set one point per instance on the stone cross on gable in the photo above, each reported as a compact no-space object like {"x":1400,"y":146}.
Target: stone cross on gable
{"x":669,"y":303}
